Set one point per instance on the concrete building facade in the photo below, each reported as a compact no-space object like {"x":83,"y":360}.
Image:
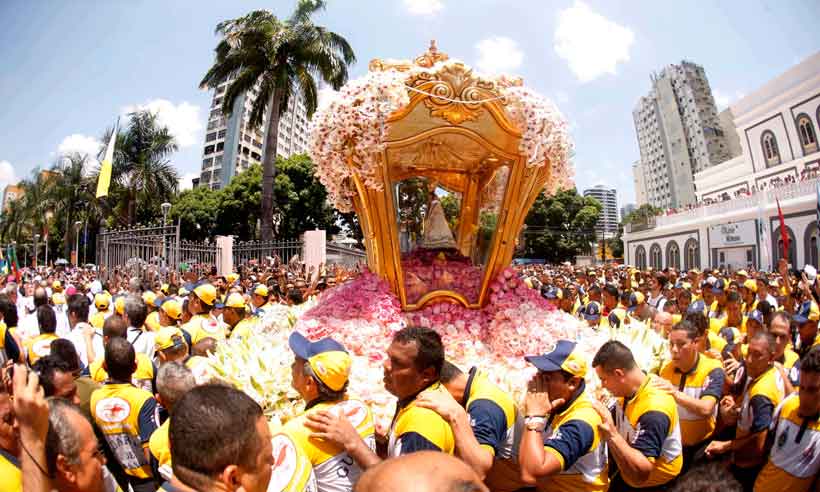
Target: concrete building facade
{"x":678,"y":134}
{"x":232,"y":144}
{"x":736,"y":223}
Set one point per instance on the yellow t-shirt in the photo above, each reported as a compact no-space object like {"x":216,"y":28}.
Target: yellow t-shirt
{"x":417,"y":429}
{"x":39,"y":346}
{"x":11,"y":476}
{"x":160,"y":448}
{"x":705,"y":380}
{"x":760,"y":397}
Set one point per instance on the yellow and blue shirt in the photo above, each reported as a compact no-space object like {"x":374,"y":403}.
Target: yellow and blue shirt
{"x":305,"y":463}
{"x":493,"y":416}
{"x":39,"y":346}
{"x":648,"y":421}
{"x":760,"y":397}
{"x":160,"y":447}
{"x":572,"y":437}
{"x":705,"y":380}
{"x":794,"y":459}
{"x":143,"y":378}
{"x":419,"y":429}
{"x":11,"y":476}
{"x":127,"y":416}
{"x":204,"y":326}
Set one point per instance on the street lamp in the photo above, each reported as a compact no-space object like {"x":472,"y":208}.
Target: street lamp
{"x":165,"y":208}
{"x":77,"y":226}
{"x":36,"y":238}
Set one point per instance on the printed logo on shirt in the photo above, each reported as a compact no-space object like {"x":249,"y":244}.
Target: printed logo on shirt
{"x":42,"y":348}
{"x":284,"y":466}
{"x":354,"y":411}
{"x":210,"y":326}
{"x":112,"y":410}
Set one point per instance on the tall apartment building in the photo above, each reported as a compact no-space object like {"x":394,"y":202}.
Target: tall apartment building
{"x":10,"y":193}
{"x":679,"y":134}
{"x":232,"y":144}
{"x":608,"y":222}
{"x":639,"y":181}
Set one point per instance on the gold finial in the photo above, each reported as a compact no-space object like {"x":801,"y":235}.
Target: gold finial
{"x":431,"y":57}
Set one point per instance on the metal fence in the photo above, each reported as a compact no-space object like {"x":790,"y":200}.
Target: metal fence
{"x":245,"y":251}
{"x":195,"y":252}
{"x":342,"y":255}
{"x":133,"y":250}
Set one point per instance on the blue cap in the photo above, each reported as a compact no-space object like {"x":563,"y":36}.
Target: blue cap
{"x":564,"y":357}
{"x":305,"y":349}
{"x":719,"y":286}
{"x":696,"y":307}
{"x":756,"y":315}
{"x":550,"y":293}
{"x":592,"y":311}
{"x":808,"y":312}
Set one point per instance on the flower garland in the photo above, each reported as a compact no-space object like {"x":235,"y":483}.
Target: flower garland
{"x":351,"y":128}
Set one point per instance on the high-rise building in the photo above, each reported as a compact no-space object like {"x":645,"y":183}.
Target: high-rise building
{"x":679,"y":134}
{"x":640,"y":183}
{"x":608,"y":221}
{"x":232,"y":144}
{"x":10,"y":193}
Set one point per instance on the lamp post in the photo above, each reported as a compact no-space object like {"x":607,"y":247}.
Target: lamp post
{"x":77,"y":226}
{"x":165,"y":208}
{"x":36,"y":238}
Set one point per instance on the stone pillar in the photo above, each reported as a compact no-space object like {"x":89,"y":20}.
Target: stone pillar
{"x":224,"y":262}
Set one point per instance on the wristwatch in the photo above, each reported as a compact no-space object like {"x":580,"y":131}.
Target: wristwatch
{"x":535,"y":423}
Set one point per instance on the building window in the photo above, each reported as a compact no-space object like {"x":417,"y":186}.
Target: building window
{"x":691,"y":256}
{"x":640,"y":258}
{"x":206,"y":163}
{"x":209,"y":149}
{"x":220,"y":146}
{"x":770,"y":152}
{"x":673,"y":255}
{"x":222,"y":133}
{"x":210,"y":137}
{"x":810,"y":244}
{"x":808,"y":138}
{"x":655,"y":257}
{"x":778,"y":246}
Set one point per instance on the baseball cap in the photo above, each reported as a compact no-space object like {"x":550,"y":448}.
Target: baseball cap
{"x":564,"y":357}
{"x":327,"y":357}
{"x":811,"y":273}
{"x":756,"y":315}
{"x":593,"y":311}
{"x":206,"y":293}
{"x":696,"y":307}
{"x":165,"y":288}
{"x":101,"y":302}
{"x":168,"y":337}
{"x":808,"y":312}
{"x":185,"y":290}
{"x":635,"y":299}
{"x":119,"y":304}
{"x":750,"y":284}
{"x":261,"y":290}
{"x":552,"y":293}
{"x":172,"y":308}
{"x":719,"y":286}
{"x":231,"y":277}
{"x":149,"y":297}
{"x":56,"y":285}
{"x":235,"y":300}
{"x":742,"y":272}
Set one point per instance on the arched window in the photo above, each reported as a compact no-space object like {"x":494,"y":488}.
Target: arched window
{"x":808,"y":138}
{"x":691,"y":255}
{"x":769,"y":144}
{"x":672,"y":255}
{"x":640,"y":258}
{"x":810,"y":238}
{"x":656,"y":257}
{"x":777,"y":246}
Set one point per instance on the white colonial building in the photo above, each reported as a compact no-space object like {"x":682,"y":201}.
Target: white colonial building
{"x":735,"y":223}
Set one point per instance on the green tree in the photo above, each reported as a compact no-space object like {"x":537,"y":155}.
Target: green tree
{"x":301,"y":198}
{"x":561,"y":226}
{"x":70,"y":195}
{"x":197,"y":211}
{"x":279,"y":59}
{"x":239,"y":209}
{"x":641,"y":213}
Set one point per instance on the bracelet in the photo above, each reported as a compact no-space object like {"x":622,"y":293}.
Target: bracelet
{"x":36,"y":463}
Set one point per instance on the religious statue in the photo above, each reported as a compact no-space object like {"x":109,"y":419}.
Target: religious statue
{"x":437,"y":233}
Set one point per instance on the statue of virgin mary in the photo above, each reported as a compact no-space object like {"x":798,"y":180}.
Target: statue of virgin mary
{"x":437,"y":233}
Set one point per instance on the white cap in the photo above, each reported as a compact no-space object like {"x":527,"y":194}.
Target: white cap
{"x":711,"y":280}
{"x":811,"y":273}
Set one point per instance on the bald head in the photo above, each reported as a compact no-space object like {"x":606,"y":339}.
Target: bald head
{"x":425,"y":470}
{"x":662,"y":322}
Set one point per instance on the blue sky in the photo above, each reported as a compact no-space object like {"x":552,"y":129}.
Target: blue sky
{"x":70,"y":67}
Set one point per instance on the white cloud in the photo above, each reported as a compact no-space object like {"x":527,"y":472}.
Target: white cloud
{"x":7,"y":175}
{"x":79,"y":143}
{"x":561,"y":97}
{"x":723,"y":100}
{"x":182,"y":119}
{"x":423,"y":7}
{"x":185,"y":181}
{"x":325,"y":96}
{"x":591,"y":44}
{"x":498,"y":54}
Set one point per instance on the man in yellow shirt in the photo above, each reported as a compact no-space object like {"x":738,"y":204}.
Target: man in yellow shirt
{"x":170,"y":345}
{"x":794,"y":454}
{"x":644,"y":437}
{"x":203,"y":324}
{"x":102,"y":302}
{"x":236,"y":316}
{"x":173,"y":382}
{"x":40,"y":346}
{"x":126,"y":415}
{"x":144,"y":374}
{"x":748,"y":291}
{"x":11,"y":478}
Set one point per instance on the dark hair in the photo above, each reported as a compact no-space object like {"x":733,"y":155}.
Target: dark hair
{"x":614,"y":355}
{"x":428,"y":343}
{"x":698,"y":319}
{"x":661,"y":279}
{"x":449,"y":372}
{"x":120,"y":359}
{"x":46,"y":319}
{"x":9,"y":311}
{"x":733,"y":296}
{"x":611,"y":290}
{"x":65,"y":351}
{"x":765,"y":308}
{"x":687,"y":326}
{"x":811,"y":361}
{"x":212,"y":427}
{"x":115,"y":327}
{"x":595,"y":289}
{"x":708,"y":477}
{"x":47,"y":367}
{"x":40,"y":297}
{"x":78,"y":304}
{"x":295,"y":295}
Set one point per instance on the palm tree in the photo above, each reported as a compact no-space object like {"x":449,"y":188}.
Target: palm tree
{"x":142,"y":175}
{"x":278,"y":58}
{"x":71,"y":193}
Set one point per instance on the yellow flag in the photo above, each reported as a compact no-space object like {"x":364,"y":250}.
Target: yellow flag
{"x":105,"y":169}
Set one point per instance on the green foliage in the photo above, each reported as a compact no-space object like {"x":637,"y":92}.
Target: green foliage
{"x":561,"y":226}
{"x":641,"y":213}
{"x":301,"y":199}
{"x":197,"y":211}
{"x":451,"y":205}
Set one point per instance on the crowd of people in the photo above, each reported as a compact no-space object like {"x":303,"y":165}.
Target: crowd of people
{"x":103,"y":390}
